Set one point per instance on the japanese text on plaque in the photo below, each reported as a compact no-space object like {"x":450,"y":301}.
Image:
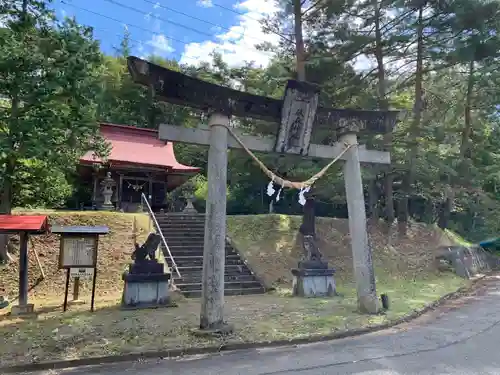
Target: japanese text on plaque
{"x":78,"y":251}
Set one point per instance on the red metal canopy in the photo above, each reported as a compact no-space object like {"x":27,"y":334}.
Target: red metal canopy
{"x":138,"y":146}
{"x":24,"y":223}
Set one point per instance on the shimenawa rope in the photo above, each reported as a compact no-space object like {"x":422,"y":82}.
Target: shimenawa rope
{"x":281,"y":181}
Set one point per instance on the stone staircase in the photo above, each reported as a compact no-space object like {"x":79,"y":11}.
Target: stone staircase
{"x":184,"y":234}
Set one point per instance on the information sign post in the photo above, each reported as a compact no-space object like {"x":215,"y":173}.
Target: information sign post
{"x":78,"y":256}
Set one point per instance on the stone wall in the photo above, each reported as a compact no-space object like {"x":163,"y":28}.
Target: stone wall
{"x":466,"y":261}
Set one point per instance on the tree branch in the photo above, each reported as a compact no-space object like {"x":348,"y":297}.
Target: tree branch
{"x":311,"y":7}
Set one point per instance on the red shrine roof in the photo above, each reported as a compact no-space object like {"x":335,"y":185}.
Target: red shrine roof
{"x":23,"y":223}
{"x":138,"y":146}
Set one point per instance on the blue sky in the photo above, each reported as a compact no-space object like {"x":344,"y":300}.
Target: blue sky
{"x":155,"y":27}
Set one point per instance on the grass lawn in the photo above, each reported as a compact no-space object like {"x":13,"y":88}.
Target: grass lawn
{"x":405,"y":271}
{"x":55,"y":335}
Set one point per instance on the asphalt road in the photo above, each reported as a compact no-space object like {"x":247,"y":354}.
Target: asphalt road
{"x":457,"y":340}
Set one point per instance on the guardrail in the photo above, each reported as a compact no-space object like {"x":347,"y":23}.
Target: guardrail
{"x":153,"y":218}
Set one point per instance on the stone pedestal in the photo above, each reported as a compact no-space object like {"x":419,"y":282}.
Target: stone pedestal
{"x":107,"y":207}
{"x":312,"y":277}
{"x":313,"y":282}
{"x":146,"y":285}
{"x":189,"y":209}
{"x":27,"y":309}
{"x":76,"y":302}
{"x":107,"y":192}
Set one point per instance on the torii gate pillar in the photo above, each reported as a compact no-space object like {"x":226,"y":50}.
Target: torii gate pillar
{"x":361,"y":252}
{"x":214,"y":248}
{"x":297,"y":120}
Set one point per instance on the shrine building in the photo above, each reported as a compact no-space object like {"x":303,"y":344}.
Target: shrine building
{"x":138,"y":163}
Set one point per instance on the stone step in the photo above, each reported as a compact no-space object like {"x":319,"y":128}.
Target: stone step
{"x":184,"y":235}
{"x":227,"y":292}
{"x":187,"y":221}
{"x":193,"y":243}
{"x":181,"y":219}
{"x":197,"y":278}
{"x":186,"y":287}
{"x":181,"y":214}
{"x":185,"y":251}
{"x":183,"y":232}
{"x":174,"y":230}
{"x":229,"y":269}
{"x":182,"y":228}
{"x":185,"y":238}
{"x":191,"y":254}
{"x":174,"y":248}
{"x":187,"y":254}
{"x":198,"y":260}
{"x":181,"y":224}
{"x":184,"y":244}
{"x":195,"y":239}
{"x":177,"y":246}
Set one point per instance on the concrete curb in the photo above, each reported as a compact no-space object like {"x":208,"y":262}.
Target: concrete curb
{"x":164,"y":354}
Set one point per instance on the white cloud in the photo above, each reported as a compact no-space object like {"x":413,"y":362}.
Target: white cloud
{"x":160,"y":44}
{"x":153,"y":18}
{"x":205,"y":3}
{"x":238,"y":44}
{"x":4,"y":19}
{"x":364,"y":63}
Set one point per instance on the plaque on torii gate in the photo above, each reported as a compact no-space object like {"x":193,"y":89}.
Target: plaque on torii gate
{"x":300,"y":121}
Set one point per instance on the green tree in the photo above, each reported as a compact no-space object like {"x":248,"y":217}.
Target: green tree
{"x":49,"y":77}
{"x":125,"y":102}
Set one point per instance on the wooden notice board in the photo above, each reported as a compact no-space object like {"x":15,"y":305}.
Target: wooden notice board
{"x":78,"y":251}
{"x":78,"y":255}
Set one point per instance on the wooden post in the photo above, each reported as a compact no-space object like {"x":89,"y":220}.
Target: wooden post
{"x":23,"y":269}
{"x":308,"y":226}
{"x":134,"y":230}
{"x":150,"y":190}
{"x":361,"y":252}
{"x":37,"y":259}
{"x":212,"y":300}
{"x":92,"y":298}
{"x":65,"y":304}
{"x":120,"y":192}
{"x":76,"y":290}
{"x":94,"y":188}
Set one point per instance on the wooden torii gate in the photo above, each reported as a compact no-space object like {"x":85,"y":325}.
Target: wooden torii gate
{"x":300,"y":120}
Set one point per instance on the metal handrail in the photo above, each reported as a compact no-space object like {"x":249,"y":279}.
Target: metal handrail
{"x":153,"y":217}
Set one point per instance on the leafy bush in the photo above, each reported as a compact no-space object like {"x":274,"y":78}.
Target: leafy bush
{"x":39,"y":185}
